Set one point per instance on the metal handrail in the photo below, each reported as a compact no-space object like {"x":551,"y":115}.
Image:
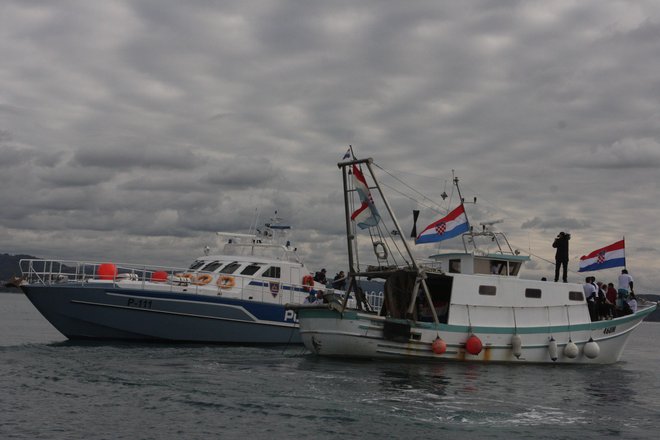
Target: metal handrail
{"x":85,"y":273}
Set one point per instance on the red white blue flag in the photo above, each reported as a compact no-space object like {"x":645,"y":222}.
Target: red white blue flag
{"x":613,"y":255}
{"x":367,"y":214}
{"x":449,"y":226}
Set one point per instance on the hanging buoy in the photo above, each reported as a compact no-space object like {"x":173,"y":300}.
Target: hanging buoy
{"x":591,"y":349}
{"x":159,"y":276}
{"x":439,"y":346}
{"x":571,"y":350}
{"x":516,"y":345}
{"x":552,"y":349}
{"x":473,"y":345}
{"x":107,"y":271}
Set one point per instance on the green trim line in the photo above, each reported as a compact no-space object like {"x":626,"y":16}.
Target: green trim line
{"x":597,"y":325}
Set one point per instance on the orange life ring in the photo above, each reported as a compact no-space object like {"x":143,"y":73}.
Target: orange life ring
{"x":226,"y":282}
{"x":203,"y":279}
{"x":185,"y":275}
{"x":308,"y":282}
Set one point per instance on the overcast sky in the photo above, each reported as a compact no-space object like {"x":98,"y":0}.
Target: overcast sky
{"x":133,"y":130}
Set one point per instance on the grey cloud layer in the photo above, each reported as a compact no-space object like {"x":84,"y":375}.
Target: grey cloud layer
{"x":161,"y":122}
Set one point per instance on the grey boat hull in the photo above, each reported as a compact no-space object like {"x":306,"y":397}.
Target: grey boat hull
{"x":107,"y":312}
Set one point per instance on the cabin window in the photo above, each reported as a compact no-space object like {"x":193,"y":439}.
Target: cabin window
{"x":454,"y":266}
{"x":196,"y":264}
{"x":532,"y":293}
{"x":212,"y":266}
{"x":250,"y":269}
{"x":231,"y":267}
{"x":272,"y":272}
{"x":487,"y":290}
{"x":576,"y":296}
{"x":498,"y":267}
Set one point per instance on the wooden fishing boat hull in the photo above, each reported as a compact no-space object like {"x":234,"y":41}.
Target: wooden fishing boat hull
{"x":328,"y":332}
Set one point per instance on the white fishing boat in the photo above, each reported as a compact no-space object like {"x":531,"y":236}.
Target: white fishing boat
{"x":236,"y":296}
{"x":464,"y":306}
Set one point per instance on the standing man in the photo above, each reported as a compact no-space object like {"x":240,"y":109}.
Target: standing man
{"x":561,"y":256}
{"x":625,"y":287}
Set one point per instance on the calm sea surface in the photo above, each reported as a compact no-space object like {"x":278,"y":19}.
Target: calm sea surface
{"x":53,"y":389}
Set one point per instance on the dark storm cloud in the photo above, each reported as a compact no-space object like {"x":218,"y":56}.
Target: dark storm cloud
{"x":165,"y":121}
{"x":566,"y":224}
{"x":121,"y":157}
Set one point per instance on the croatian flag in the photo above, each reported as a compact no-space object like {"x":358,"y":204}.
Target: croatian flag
{"x":447,"y":227}
{"x":367,"y":214}
{"x":613,"y":255}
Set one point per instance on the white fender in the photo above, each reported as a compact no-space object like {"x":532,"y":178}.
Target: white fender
{"x":552,"y":349}
{"x":591,"y":349}
{"x":516,"y":345}
{"x":571,"y":350}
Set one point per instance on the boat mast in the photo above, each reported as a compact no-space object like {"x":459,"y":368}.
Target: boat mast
{"x":349,"y":235}
{"x":421,"y":276}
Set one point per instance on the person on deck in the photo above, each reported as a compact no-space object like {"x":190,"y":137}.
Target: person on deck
{"x":632,"y":302}
{"x":319,"y":277}
{"x":339,"y":281}
{"x":624,"y":288}
{"x":561,"y":256}
{"x":590,"y":294}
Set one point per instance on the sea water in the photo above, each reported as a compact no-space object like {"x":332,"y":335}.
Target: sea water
{"x":51,"y":388}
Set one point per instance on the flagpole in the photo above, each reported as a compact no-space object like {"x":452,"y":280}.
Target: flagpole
{"x":460,"y":196}
{"x":624,"y":252}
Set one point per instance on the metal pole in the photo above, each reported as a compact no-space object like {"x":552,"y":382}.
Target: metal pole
{"x":349,"y":236}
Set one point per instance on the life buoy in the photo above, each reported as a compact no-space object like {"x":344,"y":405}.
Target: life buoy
{"x":308,"y":282}
{"x":203,"y":279}
{"x":382,"y":253}
{"x":226,"y":282}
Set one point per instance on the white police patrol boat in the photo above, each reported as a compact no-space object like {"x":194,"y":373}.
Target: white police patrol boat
{"x":236,"y":296}
{"x":465,"y":306}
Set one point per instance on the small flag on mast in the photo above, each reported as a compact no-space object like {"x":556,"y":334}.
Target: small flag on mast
{"x":447,"y":227}
{"x":367,"y":214}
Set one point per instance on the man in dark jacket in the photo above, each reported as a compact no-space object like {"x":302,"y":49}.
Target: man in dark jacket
{"x":561,"y":256}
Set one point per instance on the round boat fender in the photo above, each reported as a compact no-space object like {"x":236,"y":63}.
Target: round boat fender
{"x":473,"y":345}
{"x":439,"y":346}
{"x":571,"y":350}
{"x":203,"y":279}
{"x":516,"y":345}
{"x":552,"y":349}
{"x":591,"y":349}
{"x":308,"y":283}
{"x":226,"y":282}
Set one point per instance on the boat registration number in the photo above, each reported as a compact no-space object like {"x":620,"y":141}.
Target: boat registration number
{"x":139,"y":303}
{"x":609,"y":330}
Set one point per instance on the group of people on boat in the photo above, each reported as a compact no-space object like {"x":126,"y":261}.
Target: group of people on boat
{"x":337,"y":283}
{"x":605,"y":301}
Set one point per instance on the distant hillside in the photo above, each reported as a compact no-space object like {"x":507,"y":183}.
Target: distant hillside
{"x":9,"y":265}
{"x":655,"y":316}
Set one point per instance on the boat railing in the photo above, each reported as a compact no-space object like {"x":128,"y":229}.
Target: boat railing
{"x":172,"y":279}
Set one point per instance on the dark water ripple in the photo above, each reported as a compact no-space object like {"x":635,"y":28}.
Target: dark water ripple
{"x":57,"y":389}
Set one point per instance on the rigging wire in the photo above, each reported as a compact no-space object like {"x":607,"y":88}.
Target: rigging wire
{"x":407,"y":186}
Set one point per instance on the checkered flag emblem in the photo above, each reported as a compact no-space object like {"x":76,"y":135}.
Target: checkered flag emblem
{"x":601,"y":257}
{"x":440,"y":228}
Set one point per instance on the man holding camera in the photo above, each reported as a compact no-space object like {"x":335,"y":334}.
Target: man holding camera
{"x":561,"y":256}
